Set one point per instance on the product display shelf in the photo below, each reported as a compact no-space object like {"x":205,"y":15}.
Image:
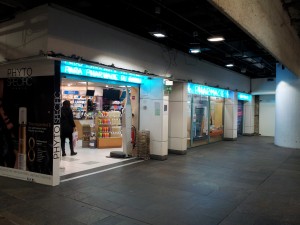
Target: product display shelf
{"x":108,"y":126}
{"x":86,"y":134}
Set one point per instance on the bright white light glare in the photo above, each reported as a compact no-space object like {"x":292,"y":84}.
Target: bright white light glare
{"x":82,"y":82}
{"x":215,"y":39}
{"x":106,"y":85}
{"x":195,"y":50}
{"x":169,"y":82}
{"x":69,"y":85}
{"x":158,"y":34}
{"x":229,"y":65}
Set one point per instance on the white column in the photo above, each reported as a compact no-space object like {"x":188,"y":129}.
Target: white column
{"x":154,"y":111}
{"x":230,"y":118}
{"x":287,"y":104}
{"x":178,"y":119}
{"x":248,"y":118}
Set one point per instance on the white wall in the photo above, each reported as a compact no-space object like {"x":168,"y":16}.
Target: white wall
{"x":178,"y":117}
{"x":153,"y":117}
{"x":263,"y":86}
{"x":287,"y":123}
{"x":248,"y":118}
{"x":230,"y":118}
{"x":267,"y":115}
{"x":105,"y":44}
{"x":24,"y":36}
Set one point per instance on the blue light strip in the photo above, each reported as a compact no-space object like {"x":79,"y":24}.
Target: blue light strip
{"x":80,"y":69}
{"x":197,"y":89}
{"x":244,"y":96}
{"x":70,"y":92}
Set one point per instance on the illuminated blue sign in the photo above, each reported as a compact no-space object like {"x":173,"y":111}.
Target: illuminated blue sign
{"x":197,"y":89}
{"x":69,"y":92}
{"x":80,"y":69}
{"x":244,"y":96}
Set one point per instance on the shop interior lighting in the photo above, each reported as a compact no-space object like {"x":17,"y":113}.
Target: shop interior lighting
{"x":215,"y":38}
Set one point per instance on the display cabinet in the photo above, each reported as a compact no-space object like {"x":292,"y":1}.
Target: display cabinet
{"x":108,"y":126}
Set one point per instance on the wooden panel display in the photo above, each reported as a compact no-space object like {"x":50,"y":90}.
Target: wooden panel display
{"x":109,"y":142}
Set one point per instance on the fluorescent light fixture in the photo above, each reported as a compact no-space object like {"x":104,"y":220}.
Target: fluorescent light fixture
{"x":168,"y":82}
{"x":195,"y":50}
{"x":229,"y":65}
{"x":158,"y":34}
{"x":215,"y":38}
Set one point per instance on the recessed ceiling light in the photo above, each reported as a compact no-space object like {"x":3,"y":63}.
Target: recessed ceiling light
{"x":158,"y":34}
{"x":229,"y":65}
{"x":195,"y":50}
{"x":215,"y":38}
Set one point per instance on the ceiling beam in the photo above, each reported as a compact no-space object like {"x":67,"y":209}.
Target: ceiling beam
{"x":271,"y":28}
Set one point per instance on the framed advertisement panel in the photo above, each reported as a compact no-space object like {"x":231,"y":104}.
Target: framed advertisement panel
{"x":29,"y":121}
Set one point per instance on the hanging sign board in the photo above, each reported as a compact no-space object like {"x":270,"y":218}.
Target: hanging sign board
{"x":198,"y":89}
{"x":244,"y":96}
{"x":86,"y":70}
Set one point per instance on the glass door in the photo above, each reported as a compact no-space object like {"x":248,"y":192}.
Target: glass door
{"x":240,"y":118}
{"x":216,"y":119}
{"x":199,"y":120}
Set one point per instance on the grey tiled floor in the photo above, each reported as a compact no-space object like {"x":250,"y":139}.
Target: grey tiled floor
{"x":249,"y":181}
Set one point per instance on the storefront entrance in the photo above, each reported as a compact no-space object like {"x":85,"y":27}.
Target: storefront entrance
{"x":240,"y":117}
{"x":97,"y":109}
{"x":205,"y":114}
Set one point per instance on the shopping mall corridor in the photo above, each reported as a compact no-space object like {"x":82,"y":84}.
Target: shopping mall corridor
{"x":249,"y":181}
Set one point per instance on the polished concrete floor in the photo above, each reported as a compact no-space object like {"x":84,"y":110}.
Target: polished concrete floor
{"x":249,"y":181}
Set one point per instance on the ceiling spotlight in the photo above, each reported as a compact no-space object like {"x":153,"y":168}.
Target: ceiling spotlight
{"x":195,"y":50}
{"x":215,"y":38}
{"x":157,"y":10}
{"x":230,"y":65}
{"x":158,"y":34}
{"x":243,"y":70}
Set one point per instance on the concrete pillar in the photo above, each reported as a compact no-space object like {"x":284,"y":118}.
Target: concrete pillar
{"x":287,"y":123}
{"x":269,"y":24}
{"x":154,"y":111}
{"x":178,"y":119}
{"x":230,"y":118}
{"x":249,"y":114}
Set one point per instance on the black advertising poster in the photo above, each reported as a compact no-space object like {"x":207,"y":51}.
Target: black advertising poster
{"x":26,"y":121}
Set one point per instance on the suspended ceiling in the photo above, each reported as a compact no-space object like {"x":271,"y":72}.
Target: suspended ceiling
{"x":187,"y":23}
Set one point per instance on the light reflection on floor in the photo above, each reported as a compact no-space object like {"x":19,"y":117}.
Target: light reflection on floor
{"x":86,"y":158}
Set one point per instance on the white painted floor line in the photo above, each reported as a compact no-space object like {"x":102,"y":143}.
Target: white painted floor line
{"x":100,"y":171}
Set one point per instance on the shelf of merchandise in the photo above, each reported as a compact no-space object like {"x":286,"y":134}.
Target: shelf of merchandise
{"x":108,"y":127}
{"x":86,"y":134}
